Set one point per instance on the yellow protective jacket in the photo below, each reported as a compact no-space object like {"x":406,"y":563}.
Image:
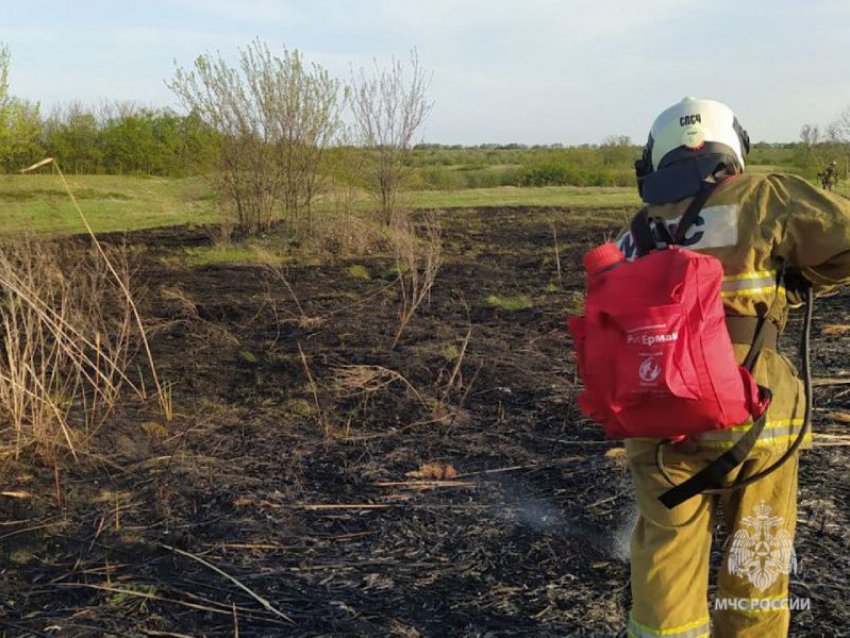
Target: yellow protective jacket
{"x":753,"y":223}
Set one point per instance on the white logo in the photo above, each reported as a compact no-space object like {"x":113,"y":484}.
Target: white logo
{"x":651,"y":340}
{"x":765,"y":553}
{"x":649,"y":370}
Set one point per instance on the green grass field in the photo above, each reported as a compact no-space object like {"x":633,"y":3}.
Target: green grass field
{"x":38,"y":203}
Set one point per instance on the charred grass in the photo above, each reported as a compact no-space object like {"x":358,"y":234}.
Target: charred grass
{"x":315,"y":481}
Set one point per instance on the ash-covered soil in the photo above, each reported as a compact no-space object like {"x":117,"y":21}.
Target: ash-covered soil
{"x":278,"y":501}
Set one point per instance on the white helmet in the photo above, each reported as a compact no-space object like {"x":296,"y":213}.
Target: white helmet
{"x":693,"y":129}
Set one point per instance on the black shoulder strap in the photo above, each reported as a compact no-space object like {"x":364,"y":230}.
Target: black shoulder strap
{"x":642,"y":224}
{"x":648,"y":231}
{"x":692,"y":213}
{"x":642,"y":233}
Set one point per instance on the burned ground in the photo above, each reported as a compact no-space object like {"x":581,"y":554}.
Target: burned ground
{"x":285,"y":470}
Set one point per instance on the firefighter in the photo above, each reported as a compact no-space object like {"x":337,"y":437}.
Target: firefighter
{"x":758,"y":225}
{"x":829,"y":178}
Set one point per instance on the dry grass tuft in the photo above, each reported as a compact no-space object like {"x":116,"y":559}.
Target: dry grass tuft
{"x":344,"y":233}
{"x":434,"y":471}
{"x":67,"y":335}
{"x":369,"y":380}
{"x":69,"y":328}
{"x":418,"y":251}
{"x":275,"y":268}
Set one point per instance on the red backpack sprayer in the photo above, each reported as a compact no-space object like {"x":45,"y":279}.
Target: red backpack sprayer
{"x":656,"y":357}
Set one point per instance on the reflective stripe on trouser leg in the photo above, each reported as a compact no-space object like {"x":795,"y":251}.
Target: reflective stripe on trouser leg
{"x":670,"y":550}
{"x":698,"y":629}
{"x":759,"y":559}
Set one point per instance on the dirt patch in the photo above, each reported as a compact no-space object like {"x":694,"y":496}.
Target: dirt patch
{"x":287,"y":475}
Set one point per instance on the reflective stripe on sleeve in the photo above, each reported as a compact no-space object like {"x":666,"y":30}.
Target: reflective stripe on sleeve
{"x":752,"y":292}
{"x":698,"y":629}
{"x":750,"y":283}
{"x":757,"y":274}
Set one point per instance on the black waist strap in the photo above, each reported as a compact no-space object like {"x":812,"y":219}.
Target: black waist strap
{"x":711,"y":479}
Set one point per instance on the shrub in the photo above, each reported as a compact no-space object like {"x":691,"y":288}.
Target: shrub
{"x":549,"y":171}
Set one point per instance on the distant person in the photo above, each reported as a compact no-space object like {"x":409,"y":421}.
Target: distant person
{"x":829,"y":177}
{"x":759,"y":226}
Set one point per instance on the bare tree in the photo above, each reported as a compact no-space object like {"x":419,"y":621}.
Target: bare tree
{"x":246,"y":178}
{"x":389,"y":107}
{"x":810,"y":137}
{"x":274,"y":118}
{"x":617,"y":141}
{"x":5,"y":101}
{"x":300,"y":108}
{"x":4,"y":76}
{"x":810,"y":134}
{"x":839,"y":132}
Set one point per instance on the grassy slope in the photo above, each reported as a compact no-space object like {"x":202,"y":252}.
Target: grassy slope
{"x":39,"y":203}
{"x":111,"y":203}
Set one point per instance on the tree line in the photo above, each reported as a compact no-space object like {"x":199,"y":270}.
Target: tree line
{"x":273,"y":131}
{"x":111,"y":138}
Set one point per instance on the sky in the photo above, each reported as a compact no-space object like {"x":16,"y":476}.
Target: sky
{"x":527,"y":71}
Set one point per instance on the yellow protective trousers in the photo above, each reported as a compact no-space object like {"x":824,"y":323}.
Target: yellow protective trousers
{"x":671,"y":548}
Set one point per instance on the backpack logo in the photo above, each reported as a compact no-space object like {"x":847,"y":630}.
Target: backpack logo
{"x":651,"y":340}
{"x":649,"y":370}
{"x":765,"y":551}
